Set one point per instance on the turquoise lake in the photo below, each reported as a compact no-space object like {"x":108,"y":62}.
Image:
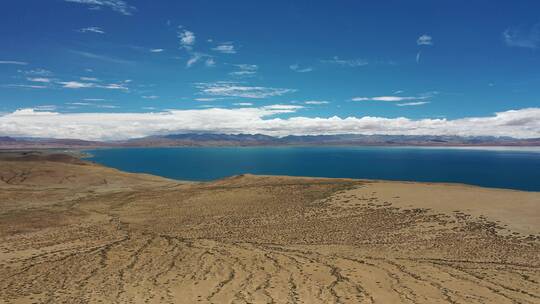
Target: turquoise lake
{"x":513,"y":168}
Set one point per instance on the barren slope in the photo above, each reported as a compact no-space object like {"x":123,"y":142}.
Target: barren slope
{"x":74,"y":232}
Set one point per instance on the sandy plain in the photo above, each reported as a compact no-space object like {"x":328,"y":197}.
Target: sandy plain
{"x":77,"y":232}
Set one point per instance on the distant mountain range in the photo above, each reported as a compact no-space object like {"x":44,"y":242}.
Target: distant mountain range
{"x":207,"y":139}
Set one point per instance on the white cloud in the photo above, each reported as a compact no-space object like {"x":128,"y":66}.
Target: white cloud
{"x":119,"y":6}
{"x":76,"y":85}
{"x":225,"y":48}
{"x":93,"y":79}
{"x":26,"y":86}
{"x":232,"y":89}
{"x":92,"y":29}
{"x":101,"y":57}
{"x":150,"y":97}
{"x":193,"y":59}
{"x":297,"y":68}
{"x":210,"y":62}
{"x":80,"y":103}
{"x":156,"y":50}
{"x":38,"y":72}
{"x":46,"y":108}
{"x":346,"y":62}
{"x":416,"y":103}
{"x":389,"y":98}
{"x":207,"y":99}
{"x":243,"y":104}
{"x":282,"y":107}
{"x":316,"y":102}
{"x":40,"y":79}
{"x":519,"y":37}
{"x":13,"y":62}
{"x":187,"y":38}
{"x":523,"y":123}
{"x":424,"y":40}
{"x":89,"y":85}
{"x":245,"y":70}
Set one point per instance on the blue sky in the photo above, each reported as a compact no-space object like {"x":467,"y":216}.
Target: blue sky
{"x":304,"y":66}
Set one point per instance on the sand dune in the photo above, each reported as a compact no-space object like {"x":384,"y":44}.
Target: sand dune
{"x":75,"y":232}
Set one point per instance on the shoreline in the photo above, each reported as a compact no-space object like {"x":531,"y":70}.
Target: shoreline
{"x":85,"y":155}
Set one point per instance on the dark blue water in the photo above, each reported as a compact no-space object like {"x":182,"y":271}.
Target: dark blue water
{"x":489,"y":168}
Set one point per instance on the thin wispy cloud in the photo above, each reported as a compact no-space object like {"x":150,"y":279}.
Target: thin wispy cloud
{"x":402,"y":101}
{"x":156,"y":50}
{"x":84,"y":104}
{"x":37,"y":72}
{"x":424,"y":40}
{"x":233,"y":89}
{"x":195,"y":57}
{"x":521,"y":123}
{"x":225,"y":48}
{"x":316,"y":102}
{"x":39,"y":79}
{"x":90,"y":85}
{"x":25,"y":86}
{"x":523,"y":37}
{"x":297,"y":68}
{"x":99,"y":57}
{"x":388,"y":98}
{"x":150,"y":97}
{"x":92,"y":29}
{"x":13,"y":62}
{"x":243,"y":104}
{"x":418,"y":55}
{"x":93,"y":79}
{"x":207,"y":99}
{"x":119,"y":6}
{"x":346,"y":62}
{"x":244,"y":70}
{"x":409,"y":104}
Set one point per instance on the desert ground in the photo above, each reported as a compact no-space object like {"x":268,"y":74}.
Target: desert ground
{"x":76,"y":232}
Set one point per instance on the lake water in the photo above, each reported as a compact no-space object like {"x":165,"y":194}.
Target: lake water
{"x":500,"y":167}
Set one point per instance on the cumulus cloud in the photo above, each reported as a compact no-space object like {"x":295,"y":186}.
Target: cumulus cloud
{"x":523,"y":37}
{"x":297,"y":68}
{"x":119,"y":6}
{"x":233,"y":89}
{"x":210,"y":62}
{"x":523,"y":123}
{"x":424,"y":40}
{"x":187,"y":38}
{"x":92,"y":29}
{"x":346,"y":62}
{"x":225,"y":48}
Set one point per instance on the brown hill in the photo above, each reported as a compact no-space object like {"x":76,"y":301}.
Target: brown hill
{"x":75,"y":232}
